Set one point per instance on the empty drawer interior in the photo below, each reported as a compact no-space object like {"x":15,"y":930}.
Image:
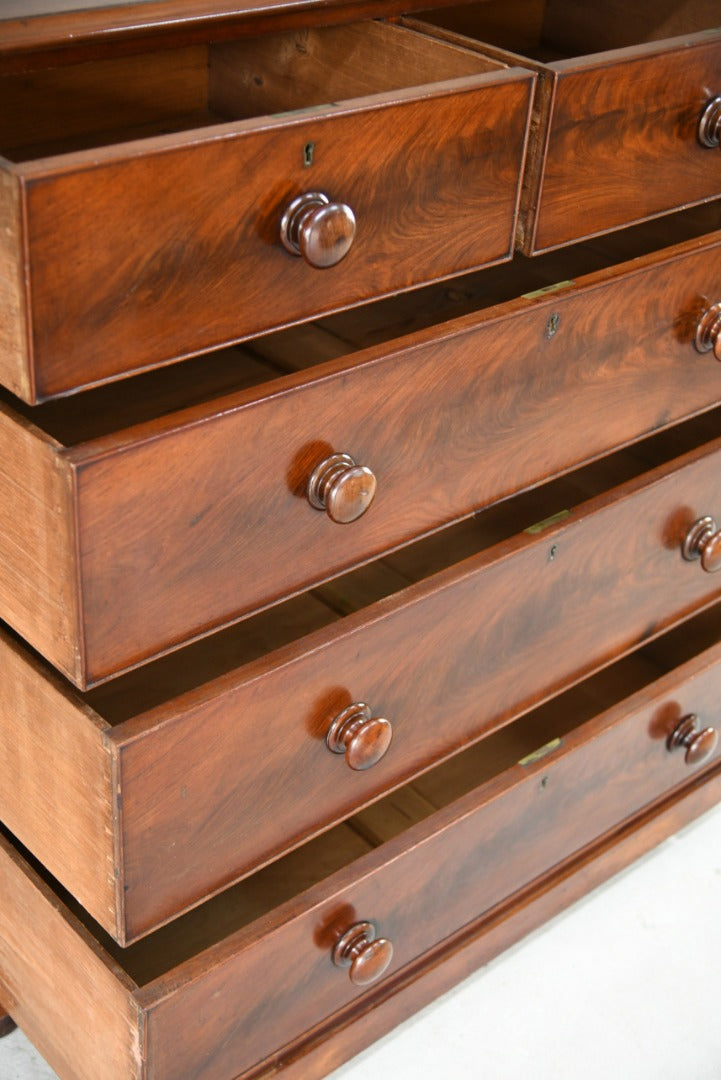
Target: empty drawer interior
{"x":58,"y":110}
{"x":549,"y":30}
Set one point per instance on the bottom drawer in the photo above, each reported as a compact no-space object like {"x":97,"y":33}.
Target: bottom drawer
{"x":221,"y":989}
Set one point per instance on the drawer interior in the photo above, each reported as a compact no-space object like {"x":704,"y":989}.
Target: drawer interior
{"x":144,"y":688}
{"x":207,"y":378}
{"x":58,"y":110}
{"x":282,"y":880}
{"x":550,"y":30}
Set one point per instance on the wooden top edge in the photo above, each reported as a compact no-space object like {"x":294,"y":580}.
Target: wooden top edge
{"x":27,"y":26}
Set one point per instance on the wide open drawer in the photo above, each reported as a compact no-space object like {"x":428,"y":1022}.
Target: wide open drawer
{"x":168,"y":784}
{"x":620,"y":134}
{"x":143,"y":198}
{"x":139,"y":516}
{"x":216,"y":992}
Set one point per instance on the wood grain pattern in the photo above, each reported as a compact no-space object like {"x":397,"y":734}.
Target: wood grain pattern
{"x":14,"y":360}
{"x":185,"y":521}
{"x":329,"y":1045}
{"x":650,"y":160}
{"x":110,"y":274}
{"x":446,"y":661}
{"x":418,"y":889}
{"x":63,"y":991}
{"x":629,"y":115}
{"x":56,"y":790}
{"x":38,"y":585}
{"x":199,"y":1017}
{"x":85,"y":99}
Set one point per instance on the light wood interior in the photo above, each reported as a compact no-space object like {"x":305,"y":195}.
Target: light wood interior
{"x":198,"y":663}
{"x":113,"y":407}
{"x":316,"y":860}
{"x":548,"y":30}
{"x":101,"y":102}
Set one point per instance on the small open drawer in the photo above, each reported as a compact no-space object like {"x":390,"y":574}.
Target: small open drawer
{"x":167,"y":784}
{"x":139,"y":516}
{"x":213,"y":994}
{"x":619,"y":135}
{"x":149,"y":204}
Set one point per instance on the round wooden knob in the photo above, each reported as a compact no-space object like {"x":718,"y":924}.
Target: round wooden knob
{"x":341,"y":488}
{"x":699,"y":744}
{"x":708,"y":331}
{"x":703,"y":541}
{"x":709,"y":125}
{"x":367,"y":957}
{"x":319,"y":230}
{"x":363,"y":738}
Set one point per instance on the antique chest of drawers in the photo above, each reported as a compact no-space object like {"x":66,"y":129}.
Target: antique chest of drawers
{"x":360,"y":451}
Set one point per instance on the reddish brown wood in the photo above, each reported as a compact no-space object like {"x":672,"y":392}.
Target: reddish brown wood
{"x":198,"y":533}
{"x":363,"y":739}
{"x":101,"y":225}
{"x":366,"y":956}
{"x":630,"y":115}
{"x":484,"y":853}
{"x":329,"y":1045}
{"x":698,"y":743}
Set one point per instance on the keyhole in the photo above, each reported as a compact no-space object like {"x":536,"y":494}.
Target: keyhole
{"x":308,"y":154}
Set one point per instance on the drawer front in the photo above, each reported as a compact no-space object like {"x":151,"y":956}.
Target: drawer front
{"x":623,"y":142}
{"x":220,"y":1012}
{"x":141,"y":259}
{"x":444,"y":661}
{"x":423,"y":886}
{"x":203,"y":522}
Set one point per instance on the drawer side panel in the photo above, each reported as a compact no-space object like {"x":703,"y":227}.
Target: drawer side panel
{"x":14,"y":366}
{"x":56,"y":793}
{"x":67,"y":997}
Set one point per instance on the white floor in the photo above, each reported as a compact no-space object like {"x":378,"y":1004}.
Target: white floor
{"x":625,"y":985}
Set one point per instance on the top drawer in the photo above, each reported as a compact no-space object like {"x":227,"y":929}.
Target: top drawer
{"x":619,"y":135}
{"x":142,"y":198}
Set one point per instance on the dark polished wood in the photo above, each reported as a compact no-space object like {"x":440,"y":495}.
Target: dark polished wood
{"x":630,"y":115}
{"x":363,"y":739}
{"x":366,"y":956}
{"x":198,"y":533}
{"x":100,"y":226}
{"x":469,"y":859}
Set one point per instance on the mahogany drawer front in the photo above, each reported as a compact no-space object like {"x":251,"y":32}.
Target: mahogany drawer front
{"x":186,"y":775}
{"x":131,"y":255}
{"x":617,"y":132}
{"x":143,"y":538}
{"x":205,"y":996}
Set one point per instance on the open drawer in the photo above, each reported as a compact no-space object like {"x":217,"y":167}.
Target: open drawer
{"x":149,"y":204}
{"x":621,"y":134}
{"x":139,"y":516}
{"x":211,"y":995}
{"x":168,"y":784}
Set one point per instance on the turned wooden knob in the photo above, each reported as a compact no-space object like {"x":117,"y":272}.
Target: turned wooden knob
{"x":367,"y":957}
{"x":703,"y":541}
{"x":341,"y":488}
{"x":319,"y":230}
{"x":699,"y":744}
{"x":708,"y":331}
{"x":363,"y":738}
{"x":709,"y":125}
